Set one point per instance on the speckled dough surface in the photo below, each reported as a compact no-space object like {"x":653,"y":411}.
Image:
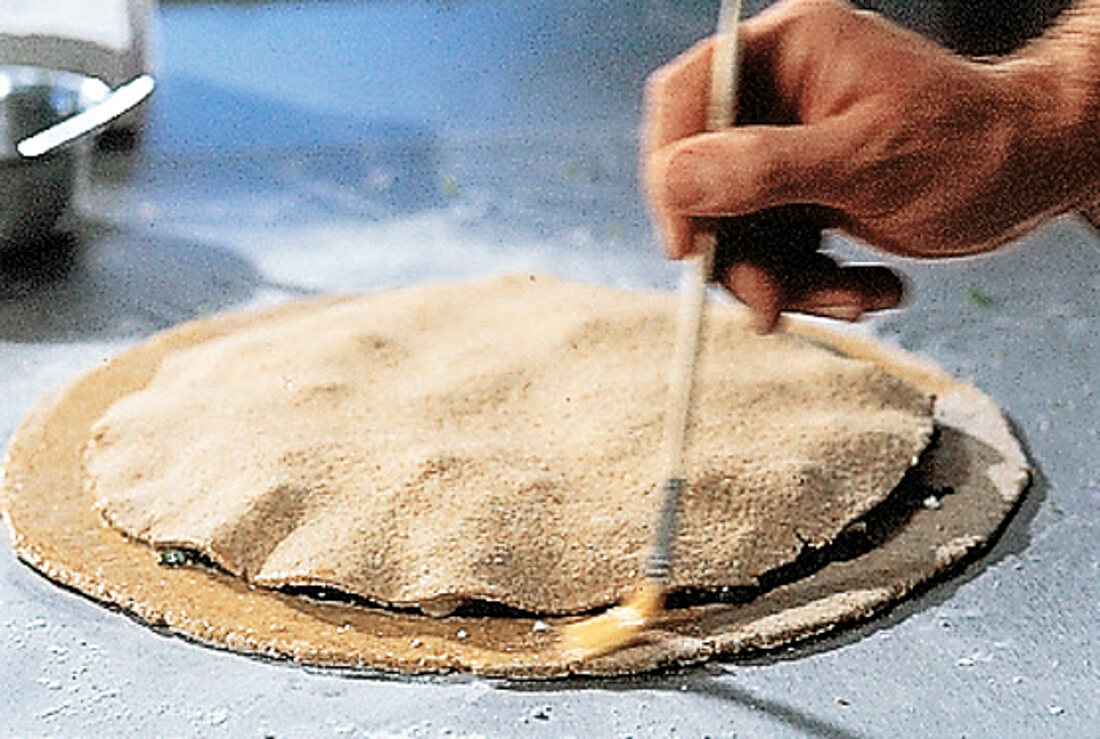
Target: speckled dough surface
{"x":975,"y":468}
{"x":499,"y":441}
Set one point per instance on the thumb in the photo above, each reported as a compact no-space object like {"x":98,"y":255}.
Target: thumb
{"x":745,"y":169}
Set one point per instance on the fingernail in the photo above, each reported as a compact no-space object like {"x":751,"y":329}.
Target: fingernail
{"x":848,"y":312}
{"x":765,"y":323}
{"x":756,"y":290}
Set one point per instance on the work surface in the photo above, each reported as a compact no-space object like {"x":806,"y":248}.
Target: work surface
{"x":351,"y":146}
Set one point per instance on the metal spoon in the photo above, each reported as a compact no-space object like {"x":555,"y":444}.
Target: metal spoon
{"x":106,"y":110}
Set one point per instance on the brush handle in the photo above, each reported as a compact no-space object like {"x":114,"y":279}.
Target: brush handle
{"x":689,"y":334}
{"x":693,"y":297}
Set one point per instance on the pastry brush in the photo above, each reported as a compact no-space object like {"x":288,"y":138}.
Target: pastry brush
{"x":622,"y":624}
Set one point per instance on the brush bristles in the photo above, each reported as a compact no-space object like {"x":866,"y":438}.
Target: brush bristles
{"x":613,"y":629}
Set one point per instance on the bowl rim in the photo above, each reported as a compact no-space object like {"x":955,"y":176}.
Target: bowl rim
{"x":87,"y":89}
{"x":91,"y":89}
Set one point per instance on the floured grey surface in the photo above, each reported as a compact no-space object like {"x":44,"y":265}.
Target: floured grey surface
{"x":1007,"y":649}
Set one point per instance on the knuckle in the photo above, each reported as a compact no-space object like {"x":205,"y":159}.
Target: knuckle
{"x":657,"y":82}
{"x":816,"y":8}
{"x":668,"y":77}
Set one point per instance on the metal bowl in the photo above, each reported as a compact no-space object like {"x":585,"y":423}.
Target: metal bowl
{"x":38,"y":194}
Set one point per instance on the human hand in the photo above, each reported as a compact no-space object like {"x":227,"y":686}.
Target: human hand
{"x":872,"y":129}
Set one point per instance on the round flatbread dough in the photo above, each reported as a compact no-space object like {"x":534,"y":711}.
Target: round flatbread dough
{"x":974,"y":472}
{"x":497,"y":441}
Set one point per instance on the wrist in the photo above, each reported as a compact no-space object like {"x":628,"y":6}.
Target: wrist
{"x":1058,"y":75}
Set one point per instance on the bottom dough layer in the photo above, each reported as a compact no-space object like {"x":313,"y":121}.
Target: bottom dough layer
{"x":54,"y":528}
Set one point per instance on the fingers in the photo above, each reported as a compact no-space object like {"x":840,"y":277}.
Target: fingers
{"x":675,"y":108}
{"x":750,"y":168}
{"x":783,"y":158}
{"x":679,"y":235}
{"x":796,"y":143}
{"x":818,"y":287}
{"x":676,"y":99}
{"x":847,"y":292}
{"x":718,"y":174}
{"x":760,"y":291}
{"x":676,"y":96}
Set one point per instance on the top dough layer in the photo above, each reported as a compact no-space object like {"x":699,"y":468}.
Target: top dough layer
{"x":497,"y":440}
